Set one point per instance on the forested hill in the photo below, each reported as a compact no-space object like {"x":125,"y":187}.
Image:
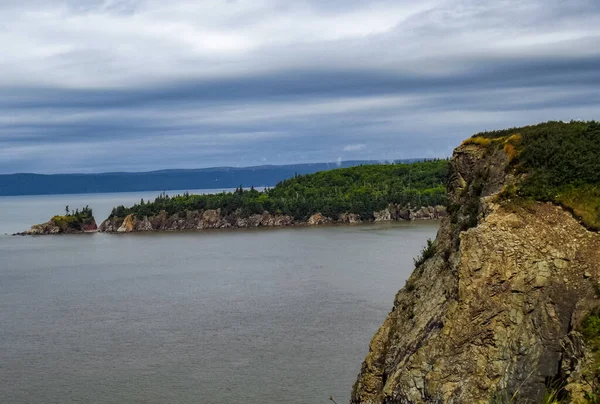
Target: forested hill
{"x":361,"y":190}
{"x":204,"y":178}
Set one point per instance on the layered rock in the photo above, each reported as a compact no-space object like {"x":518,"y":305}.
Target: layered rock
{"x":493,"y":315}
{"x":193,"y":220}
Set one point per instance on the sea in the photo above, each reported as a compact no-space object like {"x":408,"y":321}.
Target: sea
{"x":281,"y":316}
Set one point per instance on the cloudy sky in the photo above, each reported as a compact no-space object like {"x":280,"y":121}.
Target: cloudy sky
{"x":136,"y":85}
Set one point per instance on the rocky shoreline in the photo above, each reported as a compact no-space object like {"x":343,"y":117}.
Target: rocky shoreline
{"x":212,"y":219}
{"x":51,"y":228}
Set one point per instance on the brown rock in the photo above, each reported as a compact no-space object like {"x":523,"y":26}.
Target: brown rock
{"x":383,"y":215}
{"x":350,"y":218}
{"x":128,"y":224}
{"x":317,"y":219}
{"x":211,"y":219}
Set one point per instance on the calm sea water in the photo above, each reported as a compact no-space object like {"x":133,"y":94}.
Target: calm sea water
{"x":253,"y":316}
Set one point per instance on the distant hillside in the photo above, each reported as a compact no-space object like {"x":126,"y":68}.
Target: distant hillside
{"x":381,"y":192}
{"x":358,"y":190}
{"x":164,"y":180}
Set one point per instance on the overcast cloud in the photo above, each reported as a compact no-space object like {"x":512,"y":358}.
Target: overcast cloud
{"x":135,"y":85}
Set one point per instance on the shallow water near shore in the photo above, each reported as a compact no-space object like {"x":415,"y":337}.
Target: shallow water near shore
{"x":255,"y":316}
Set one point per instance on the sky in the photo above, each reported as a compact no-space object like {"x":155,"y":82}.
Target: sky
{"x":138,"y":85}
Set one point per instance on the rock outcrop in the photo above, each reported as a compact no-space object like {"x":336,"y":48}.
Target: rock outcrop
{"x":214,"y":219}
{"x":58,"y":226}
{"x":317,"y":219}
{"x":193,"y":220}
{"x":350,"y":218}
{"x":493,"y":315}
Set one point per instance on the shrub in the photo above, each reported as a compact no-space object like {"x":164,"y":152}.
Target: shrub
{"x":479,"y":141}
{"x":511,"y":152}
{"x":508,"y":191}
{"x":427,"y":252}
{"x":560,"y":162}
{"x":590,"y":330}
{"x":515,"y":139}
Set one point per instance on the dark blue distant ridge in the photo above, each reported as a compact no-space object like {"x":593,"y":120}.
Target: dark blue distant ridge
{"x":163,"y":180}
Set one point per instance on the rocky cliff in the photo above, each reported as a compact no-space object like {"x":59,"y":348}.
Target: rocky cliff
{"x":213,"y":219}
{"x":495,"y":313}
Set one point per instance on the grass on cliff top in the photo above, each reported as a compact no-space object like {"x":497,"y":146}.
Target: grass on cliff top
{"x":361,"y":190}
{"x":561,"y":161}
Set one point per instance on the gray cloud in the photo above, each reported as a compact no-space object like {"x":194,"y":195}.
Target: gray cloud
{"x":141,"y":84}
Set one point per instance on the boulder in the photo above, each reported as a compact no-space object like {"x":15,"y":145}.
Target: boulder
{"x":350,"y":218}
{"x":211,"y":219}
{"x":128,"y":224}
{"x":282,"y":220}
{"x":317,"y":219}
{"x":255,"y":220}
{"x":404,"y":214}
{"x":382,"y":215}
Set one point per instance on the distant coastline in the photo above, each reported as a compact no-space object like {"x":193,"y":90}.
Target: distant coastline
{"x":366,"y":193}
{"x":23,"y":184}
{"x":213,"y":219}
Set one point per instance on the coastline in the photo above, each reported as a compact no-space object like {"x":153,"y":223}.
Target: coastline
{"x":212,"y":219}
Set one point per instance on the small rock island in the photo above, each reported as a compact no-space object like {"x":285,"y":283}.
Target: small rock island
{"x":72,"y":222}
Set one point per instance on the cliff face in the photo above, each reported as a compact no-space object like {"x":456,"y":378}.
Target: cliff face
{"x":213,"y":219}
{"x":494,"y":315}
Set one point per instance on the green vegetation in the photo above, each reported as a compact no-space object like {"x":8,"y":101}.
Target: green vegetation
{"x":590,"y":329}
{"x":361,"y":190}
{"x":74,"y":219}
{"x":427,"y":252}
{"x":561,"y":162}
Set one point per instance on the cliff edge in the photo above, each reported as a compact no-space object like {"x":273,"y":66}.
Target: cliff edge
{"x":501,"y":309}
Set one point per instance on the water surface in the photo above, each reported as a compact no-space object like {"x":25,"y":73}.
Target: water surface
{"x":253,"y":316}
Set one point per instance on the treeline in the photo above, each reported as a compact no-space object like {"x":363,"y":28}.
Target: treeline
{"x":562,"y":163}
{"x":361,"y":190}
{"x":85,"y":212}
{"x":76,"y":219}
